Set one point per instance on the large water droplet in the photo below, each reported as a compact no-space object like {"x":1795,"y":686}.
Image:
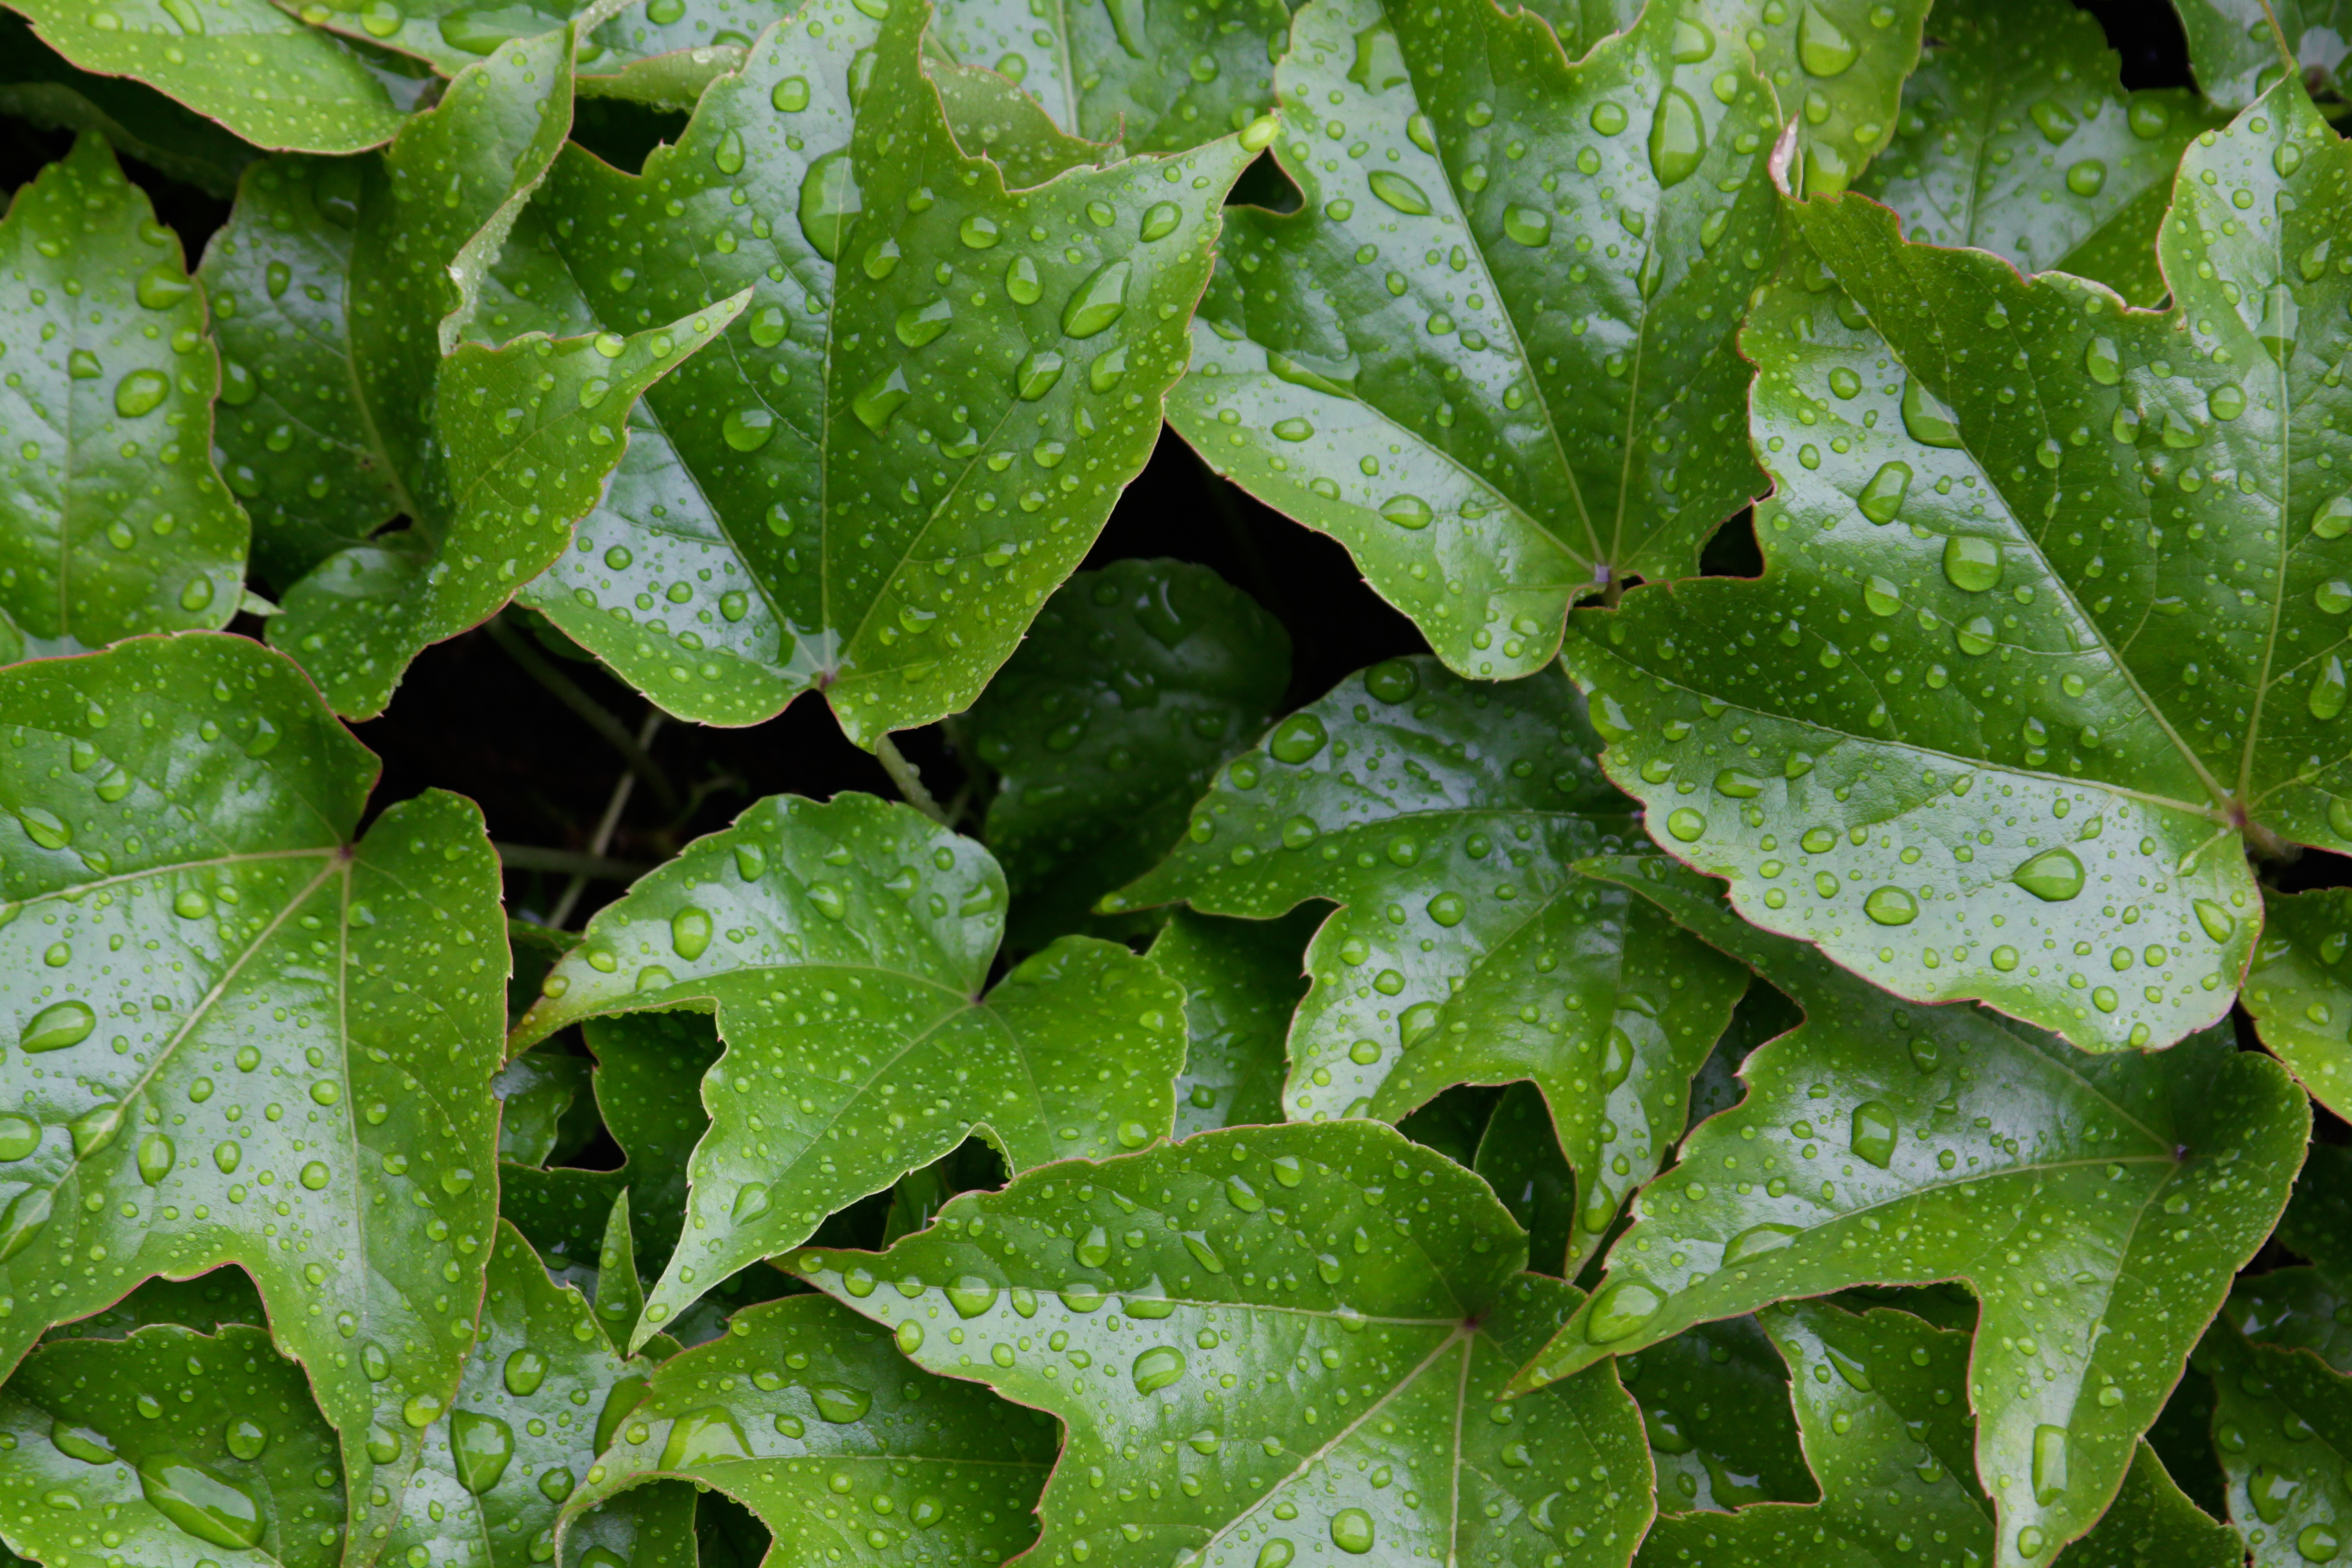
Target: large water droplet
{"x":1093,"y":1249}
{"x":1099,"y":301}
{"x":1620,"y":1309}
{"x":1677,"y":138}
{"x":53,"y":1028}
{"x":526,"y":1369}
{"x":971,"y":1296}
{"x":481,"y":1445}
{"x":84,"y":1443}
{"x":882,"y":397}
{"x":1871,"y":1132}
{"x":1298,"y":739}
{"x":1891,"y":906}
{"x":920,"y":324}
{"x":1881,"y":499}
{"x":2326,"y":699}
{"x":2054,"y":875}
{"x":1925,"y":417}
{"x":1351,"y":1531}
{"x":155,"y":1158}
{"x":748,"y":428}
{"x":2218,"y":923}
{"x":830,"y":203}
{"x":689,"y":933}
{"x":2049,"y":1464}
{"x":207,"y":1505}
{"x":702,"y":1436}
{"x":1158,"y":1367}
{"x":1822,"y":47}
{"x":1399,"y":192}
{"x":20,"y":1136}
{"x":1757,"y":1240}
{"x":840,"y":1404}
{"x":1971,"y":564}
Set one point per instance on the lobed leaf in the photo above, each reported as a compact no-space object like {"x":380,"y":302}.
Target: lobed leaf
{"x":2300,"y":1000}
{"x":1242,"y":979}
{"x":2282,"y":1423}
{"x":2235,"y":51}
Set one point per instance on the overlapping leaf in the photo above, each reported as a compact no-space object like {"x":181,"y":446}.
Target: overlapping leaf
{"x":1715,"y":1405}
{"x":39,"y":85}
{"x":846,"y":947}
{"x":235,"y":1034}
{"x":1493,"y":353}
{"x":2017,"y":138}
{"x":1269,"y":1343}
{"x":112,"y":520}
{"x":919,"y":425}
{"x":1135,"y":683}
{"x":2307,"y":1306}
{"x":2300,"y":994}
{"x":1242,"y":979}
{"x":2282,"y":1425}
{"x":2234,"y":49}
{"x":2013,"y":742}
{"x":811,"y":1419}
{"x":2097,"y":1206}
{"x":1444,"y":815}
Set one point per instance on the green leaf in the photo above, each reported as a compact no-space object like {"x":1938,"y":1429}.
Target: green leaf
{"x":2016,"y":137}
{"x":1444,"y":815}
{"x":846,"y":946}
{"x":42,"y":86}
{"x":809,"y":1417}
{"x":2153,"y":1522}
{"x":1156,"y":75}
{"x":263,"y":75}
{"x":1887,"y":1143}
{"x":1268,"y":1379}
{"x":2318,"y":1219}
{"x":114,"y":520}
{"x":1837,"y":70}
{"x":619,"y":1290}
{"x":1715,"y":1403}
{"x":542,"y":1394}
{"x":1514,"y":320}
{"x":1135,"y":683}
{"x":2298,"y":1308}
{"x":895,"y":458}
{"x":203,"y":1303}
{"x":535,"y":1092}
{"x":314,"y":1034}
{"x":2299,"y":994}
{"x":1241,"y":981}
{"x":1879,"y":773}
{"x":2283,"y":1422}
{"x":1519,"y":1156}
{"x":2234,"y":50}
{"x":651,"y":1527}
{"x":187,"y":1446}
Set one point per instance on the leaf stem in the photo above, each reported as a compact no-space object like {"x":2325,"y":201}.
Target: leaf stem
{"x":537,"y":857}
{"x":2278,"y":37}
{"x":909,"y":781}
{"x":605,"y":828}
{"x":562,"y":687}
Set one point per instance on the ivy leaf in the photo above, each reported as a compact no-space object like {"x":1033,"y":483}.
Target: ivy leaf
{"x":1154,"y":75}
{"x":2234,"y":50}
{"x":809,"y":1417}
{"x":1443,"y":816}
{"x":1853,"y":749}
{"x":2154,"y":1176}
{"x":846,"y":946}
{"x":247,"y":63}
{"x":2298,"y":991}
{"x":2282,"y":1423}
{"x":542,"y":1395}
{"x":190,"y":1446}
{"x":2016,"y":137}
{"x":114,"y":521}
{"x":1265,"y":1366}
{"x":1715,"y":1402}
{"x":1135,"y":683}
{"x":1241,"y":981}
{"x":314,"y":1037}
{"x":818,"y":505}
{"x":42,"y":86}
{"x":1514,"y":319}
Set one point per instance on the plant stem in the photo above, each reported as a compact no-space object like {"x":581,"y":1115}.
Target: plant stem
{"x":537,"y":857}
{"x":2278,"y":37}
{"x":562,"y":687}
{"x":910,"y":783}
{"x":611,"y":821}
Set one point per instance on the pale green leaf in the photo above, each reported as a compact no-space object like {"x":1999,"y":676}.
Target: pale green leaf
{"x":295,"y":1076}
{"x":1242,"y":979}
{"x":846,"y":946}
{"x":1443,"y":816}
{"x":1223,"y":1337}
{"x":2300,"y":994}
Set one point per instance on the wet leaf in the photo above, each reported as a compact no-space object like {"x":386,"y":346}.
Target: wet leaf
{"x":917,"y":426}
{"x":1875,"y":769}
{"x":2234,"y":50}
{"x":114,"y":520}
{"x":1241,"y":979}
{"x":42,"y":86}
{"x":312,"y":1033}
{"x":1884,"y":1143}
{"x":1716,"y":1404}
{"x":536,"y":1091}
{"x":809,"y":1417}
{"x":1443,"y":816}
{"x":1217,"y":1328}
{"x":2016,"y":137}
{"x":846,"y":946}
{"x":2282,"y":1423}
{"x":2300,"y":992}
{"x":204,"y":1303}
{"x":1135,"y":683}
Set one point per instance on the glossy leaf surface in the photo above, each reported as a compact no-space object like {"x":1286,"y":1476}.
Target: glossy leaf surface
{"x":113,"y":520}
{"x":1948,"y":1144}
{"x":2283,"y":1425}
{"x":917,"y":427}
{"x":295,"y":1076}
{"x":2300,"y":992}
{"x":811,"y":1419}
{"x":39,"y":85}
{"x":2000,"y":745}
{"x":1219,"y":1329}
{"x":846,"y":946}
{"x":1715,"y":1407}
{"x":2234,"y":49}
{"x":2016,"y":137}
{"x":191,"y":1447}
{"x":1241,"y":979}
{"x":1135,"y":683}
{"x":1443,"y":816}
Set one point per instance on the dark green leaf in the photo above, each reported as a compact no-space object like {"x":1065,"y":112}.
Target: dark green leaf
{"x":2283,"y":1422}
{"x":40,"y":86}
{"x":2318,"y":1220}
{"x":2152,"y":1524}
{"x":203,"y":1303}
{"x":114,"y":520}
{"x":846,"y":946}
{"x":1715,"y":1403}
{"x":311,"y":1035}
{"x":2301,"y":1308}
{"x":2183,"y":1439}
{"x":1241,"y":981}
{"x":649,"y":1527}
{"x":535,"y":1092}
{"x":1763,"y":1013}
{"x":1135,"y":683}
{"x":810,"y":1418}
{"x":2234,"y":50}
{"x":1268,"y":1381}
{"x":2300,"y":993}
{"x":1886,"y":770}
{"x":2097,"y":1205}
{"x":1518,"y":1154}
{"x":1442,"y":816}
{"x":2017,"y":138}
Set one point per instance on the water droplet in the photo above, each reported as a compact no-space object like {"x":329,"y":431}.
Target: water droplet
{"x":789,"y":95}
{"x":1022,"y":284}
{"x":749,"y":429}
{"x":1971,"y":564}
{"x":1881,"y":597}
{"x":1856,"y":1376}
{"x":2318,"y":1542}
{"x":729,"y":154}
{"x":830,"y":202}
{"x":920,"y":324}
{"x":1873,"y":1133}
{"x":1686,"y":824}
{"x":1757,"y":1240}
{"x":689,"y":933}
{"x":1881,"y":499}
{"x":1159,"y":221}
{"x":2049,"y":1464}
{"x":1097,"y":302}
{"x":155,"y":1158}
{"x":2326,"y":699}
{"x":199,"y":1500}
{"x":22,"y":1220}
{"x":752,"y":1200}
{"x":1399,"y":192}
{"x":1891,"y":906}
{"x":1276,"y":1553}
{"x":526,"y":1369}
{"x":481,"y":1445}
{"x":84,"y":1443}
{"x":44,"y":828}
{"x":163,"y":285}
{"x":1298,"y":739}
{"x":1158,"y":1367}
{"x":2054,"y":875}
{"x":1620,"y":1309}
{"x":1822,"y":49}
{"x":1531,"y":227}
{"x":1408,"y":511}
{"x":2218,"y":923}
{"x":1607,"y":119}
{"x":1677,"y":139}
{"x":1930,"y":422}
{"x":556,"y":1484}
{"x":1035,"y":376}
{"x":702,"y":1436}
{"x":882,"y":397}
{"x":20,"y":1136}
{"x":1351,"y":1531}
{"x":53,"y":1028}
{"x":1093,"y":1249}
{"x":2085,"y":177}
{"x":971,"y":1296}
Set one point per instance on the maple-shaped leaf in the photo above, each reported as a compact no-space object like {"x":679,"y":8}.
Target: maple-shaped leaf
{"x":2016,"y":137}
{"x":2300,"y":992}
{"x":846,"y":947}
{"x":2047,"y":638}
{"x":1443,"y":816}
{"x":113,"y":520}
{"x":1881,"y":1409}
{"x":2283,"y":1426}
{"x":2097,"y":1205}
{"x":1492,"y":353}
{"x":243,"y":1033}
{"x":1275,"y":1343}
{"x":917,"y":425}
{"x":1242,"y":979}
{"x":809,"y":1416}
